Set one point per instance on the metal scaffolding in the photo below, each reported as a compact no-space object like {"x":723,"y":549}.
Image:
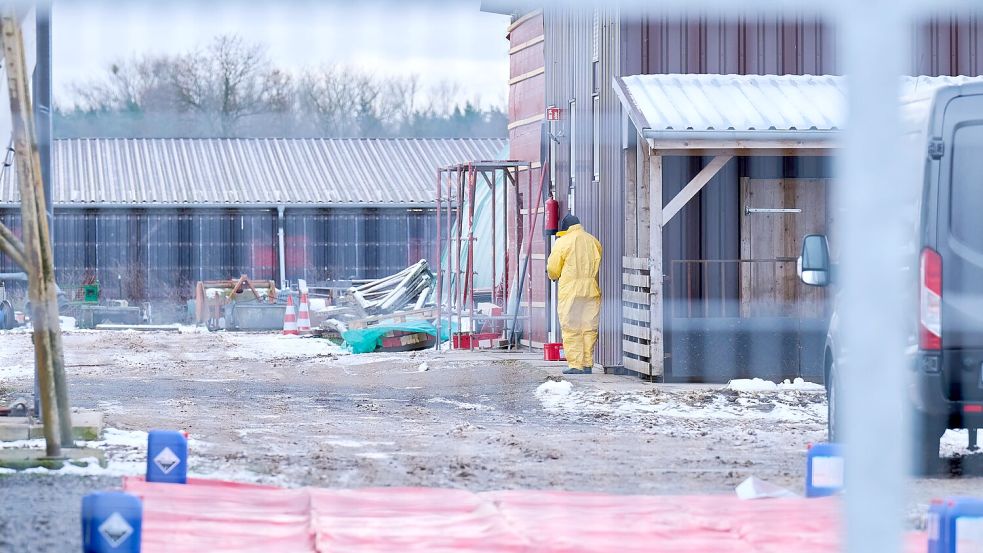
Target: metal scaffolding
{"x":457,"y":293}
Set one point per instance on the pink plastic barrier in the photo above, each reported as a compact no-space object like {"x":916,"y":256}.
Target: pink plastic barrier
{"x":410,"y":519}
{"x":219,"y":516}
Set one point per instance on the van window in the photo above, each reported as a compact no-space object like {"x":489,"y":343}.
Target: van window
{"x":966,"y":202}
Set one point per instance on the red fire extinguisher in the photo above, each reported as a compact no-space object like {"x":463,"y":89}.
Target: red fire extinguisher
{"x":552,"y":216}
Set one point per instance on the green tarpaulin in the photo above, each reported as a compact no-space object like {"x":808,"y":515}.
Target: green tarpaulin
{"x":367,"y":340}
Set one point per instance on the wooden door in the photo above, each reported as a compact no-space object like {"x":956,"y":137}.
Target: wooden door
{"x":775,"y":215}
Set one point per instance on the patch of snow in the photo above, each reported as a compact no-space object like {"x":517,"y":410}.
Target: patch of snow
{"x":23,"y":444}
{"x":265,"y":346}
{"x":956,"y":441}
{"x":373,"y":455}
{"x":687,"y":406}
{"x":759,"y":385}
{"x":556,"y":396}
{"x":801,"y":385}
{"x":755,"y":488}
{"x":354,"y":360}
{"x":461,"y":404}
{"x":123,"y":438}
{"x":423,"y":367}
{"x":67,"y":323}
{"x":356,"y":443}
{"x":18,"y":370}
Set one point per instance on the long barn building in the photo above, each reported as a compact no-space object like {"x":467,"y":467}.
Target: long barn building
{"x":149,"y":217}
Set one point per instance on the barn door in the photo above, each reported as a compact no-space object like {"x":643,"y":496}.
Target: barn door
{"x":775,"y":215}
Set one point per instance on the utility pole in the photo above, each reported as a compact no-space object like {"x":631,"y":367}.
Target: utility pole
{"x":36,"y":248}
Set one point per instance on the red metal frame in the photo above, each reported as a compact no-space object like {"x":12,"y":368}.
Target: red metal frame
{"x":457,"y":187}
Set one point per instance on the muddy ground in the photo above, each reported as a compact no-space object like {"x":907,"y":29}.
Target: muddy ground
{"x":298,"y":412}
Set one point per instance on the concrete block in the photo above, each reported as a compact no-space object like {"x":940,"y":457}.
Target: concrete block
{"x":22,"y":458}
{"x":86,"y":425}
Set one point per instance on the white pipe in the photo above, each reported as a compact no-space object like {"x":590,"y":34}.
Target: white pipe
{"x":280,"y":253}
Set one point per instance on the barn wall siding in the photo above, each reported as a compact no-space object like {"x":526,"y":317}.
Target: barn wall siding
{"x":157,"y":254}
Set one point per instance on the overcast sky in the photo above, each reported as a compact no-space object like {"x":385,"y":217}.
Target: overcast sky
{"x":437,"y":40}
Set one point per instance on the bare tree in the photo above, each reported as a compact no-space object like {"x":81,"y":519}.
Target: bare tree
{"x":138,"y":84}
{"x":398,"y":99}
{"x":345,"y":102}
{"x":229,"y":81}
{"x":231,"y":88}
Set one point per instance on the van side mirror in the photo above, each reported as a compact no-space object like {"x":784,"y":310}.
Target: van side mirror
{"x":813,"y":265}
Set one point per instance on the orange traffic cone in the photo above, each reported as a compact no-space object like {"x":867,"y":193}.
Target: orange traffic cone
{"x":290,"y":318}
{"x":304,"y":318}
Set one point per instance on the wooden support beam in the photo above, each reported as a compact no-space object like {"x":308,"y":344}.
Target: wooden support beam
{"x":48,"y":354}
{"x":656,"y":345}
{"x":693,"y":187}
{"x":13,"y":248}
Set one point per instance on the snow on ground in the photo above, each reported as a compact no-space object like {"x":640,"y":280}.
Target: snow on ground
{"x":126,"y":455}
{"x":955,"y":441}
{"x":16,"y":370}
{"x":759,"y":385}
{"x":797,"y":402}
{"x":461,"y":404}
{"x":263,"y":346}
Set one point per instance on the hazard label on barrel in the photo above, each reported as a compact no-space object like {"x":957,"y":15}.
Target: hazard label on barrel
{"x":115,"y":529}
{"x":166,"y":460}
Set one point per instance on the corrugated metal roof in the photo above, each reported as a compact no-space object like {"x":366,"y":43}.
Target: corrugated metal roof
{"x":747,"y":102}
{"x":253,"y":171}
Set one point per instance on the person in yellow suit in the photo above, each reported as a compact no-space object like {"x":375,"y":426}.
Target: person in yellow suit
{"x":574,"y":263}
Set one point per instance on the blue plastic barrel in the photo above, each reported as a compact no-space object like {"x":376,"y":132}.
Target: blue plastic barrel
{"x":111,"y":522}
{"x":935,"y":525}
{"x":824,"y":470}
{"x":167,"y":457}
{"x":955,"y":525}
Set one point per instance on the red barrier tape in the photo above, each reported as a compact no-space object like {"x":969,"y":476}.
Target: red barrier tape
{"x":208,"y":515}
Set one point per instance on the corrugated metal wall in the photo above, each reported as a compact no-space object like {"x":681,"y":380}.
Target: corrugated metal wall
{"x":708,"y":227}
{"x":526,"y":113}
{"x":159,"y":253}
{"x":583,"y":53}
{"x":763,"y":44}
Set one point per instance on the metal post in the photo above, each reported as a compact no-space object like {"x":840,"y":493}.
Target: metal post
{"x":532,"y":242}
{"x":43,"y":102}
{"x":439,"y":273}
{"x":872,"y":196}
{"x":280,"y":241}
{"x":469,"y":290}
{"x":494,"y":232}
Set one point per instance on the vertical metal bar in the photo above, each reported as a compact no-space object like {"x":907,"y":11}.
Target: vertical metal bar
{"x":723,"y":288}
{"x":458,"y":286}
{"x":472,"y":192}
{"x":448,"y":285}
{"x":43,"y":104}
{"x":874,"y":190}
{"x":704,"y":289}
{"x":280,"y":244}
{"x":439,"y":268}
{"x":689,"y":290}
{"x":532,"y":238}
{"x":672,"y":288}
{"x":494,"y":232}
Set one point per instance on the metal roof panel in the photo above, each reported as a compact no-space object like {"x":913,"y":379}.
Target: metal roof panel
{"x":677,"y":102}
{"x":252,"y":171}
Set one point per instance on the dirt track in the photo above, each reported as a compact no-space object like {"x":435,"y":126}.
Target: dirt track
{"x":297,"y":412}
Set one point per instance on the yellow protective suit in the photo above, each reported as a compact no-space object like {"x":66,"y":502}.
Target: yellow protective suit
{"x":575,"y":262}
